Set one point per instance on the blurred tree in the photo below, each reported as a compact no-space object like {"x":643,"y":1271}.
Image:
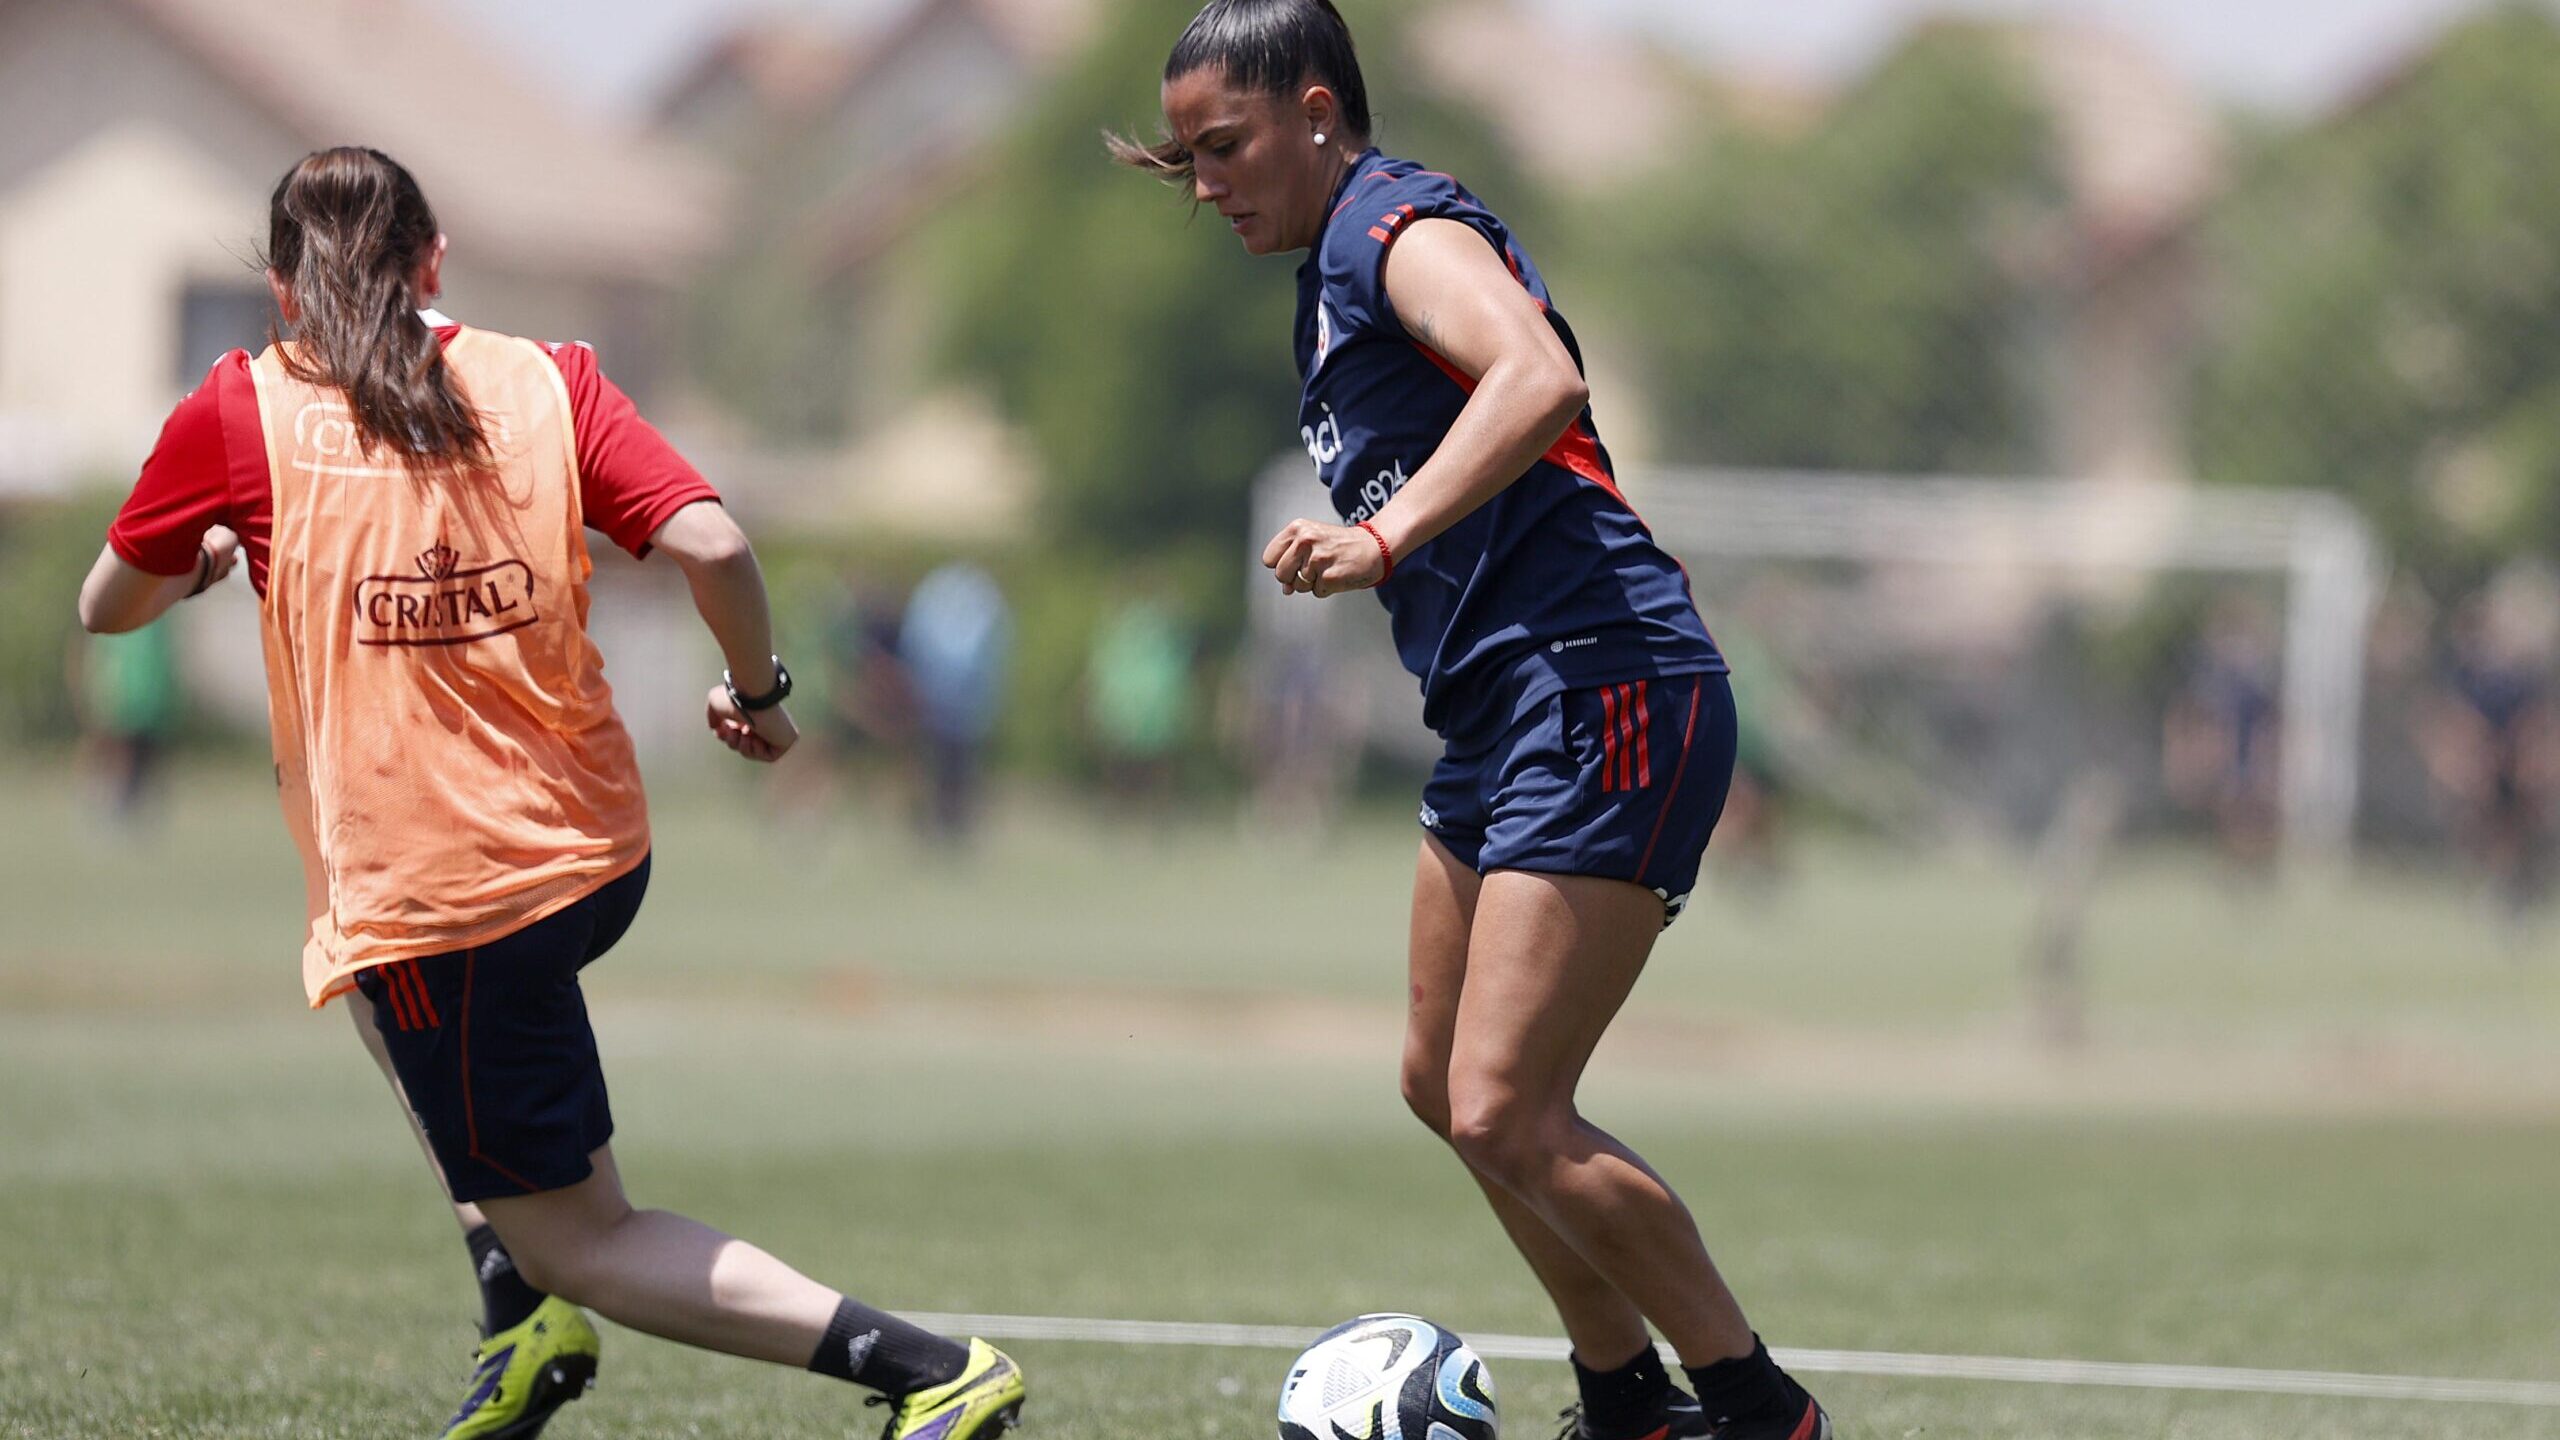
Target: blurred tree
{"x":1146,"y":354}
{"x":1858,"y":296}
{"x":2390,"y":321}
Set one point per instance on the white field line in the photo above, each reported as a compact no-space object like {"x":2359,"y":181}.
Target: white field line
{"x":2537,"y":1393}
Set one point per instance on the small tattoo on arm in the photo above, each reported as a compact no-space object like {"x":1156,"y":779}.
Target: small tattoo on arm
{"x":1421,"y":325}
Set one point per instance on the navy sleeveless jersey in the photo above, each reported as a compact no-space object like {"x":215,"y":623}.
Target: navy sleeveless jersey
{"x":1554,"y":583}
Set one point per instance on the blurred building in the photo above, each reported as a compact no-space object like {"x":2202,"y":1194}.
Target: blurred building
{"x":140,"y":139}
{"x":2138,"y":156}
{"x":1587,"y":108}
{"x":846,"y":146}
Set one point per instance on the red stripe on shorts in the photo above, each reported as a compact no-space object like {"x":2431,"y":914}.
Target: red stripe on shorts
{"x":1627,"y":737}
{"x":1608,"y":738}
{"x":391,"y":995}
{"x":1677,"y":771}
{"x":1644,"y":735}
{"x":470,"y":1119}
{"x":418,"y":992}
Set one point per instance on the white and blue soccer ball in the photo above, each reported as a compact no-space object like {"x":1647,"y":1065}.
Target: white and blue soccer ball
{"x":1388,"y":1377}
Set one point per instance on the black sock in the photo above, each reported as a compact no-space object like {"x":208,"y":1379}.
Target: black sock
{"x":505,"y":1300}
{"x":874,"y":1348}
{"x":1615,"y":1399}
{"x":1747,"y":1387}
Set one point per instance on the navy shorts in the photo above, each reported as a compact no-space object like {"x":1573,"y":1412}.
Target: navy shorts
{"x":1623,"y":782}
{"x":494,"y":1052}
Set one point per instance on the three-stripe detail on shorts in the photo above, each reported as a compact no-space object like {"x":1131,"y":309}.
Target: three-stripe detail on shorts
{"x":1626,"y":741}
{"x":411,"y":1007}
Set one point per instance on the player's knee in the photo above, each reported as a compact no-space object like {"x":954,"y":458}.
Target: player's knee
{"x":1500,"y":1138}
{"x":546,"y":1271}
{"x":1426,"y":1093}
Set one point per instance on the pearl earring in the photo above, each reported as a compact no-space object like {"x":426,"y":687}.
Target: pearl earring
{"x":1319,"y":137}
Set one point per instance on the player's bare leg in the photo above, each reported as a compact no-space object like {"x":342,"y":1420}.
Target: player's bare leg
{"x":1605,"y":1327}
{"x":662,"y":1273}
{"x":1550,"y":960}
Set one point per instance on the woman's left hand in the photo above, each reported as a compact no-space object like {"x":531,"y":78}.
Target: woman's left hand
{"x":1311,"y":558}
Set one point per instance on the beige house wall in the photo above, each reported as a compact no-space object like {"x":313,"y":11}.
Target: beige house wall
{"x":96,"y":253}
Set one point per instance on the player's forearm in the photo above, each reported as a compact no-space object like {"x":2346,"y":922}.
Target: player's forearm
{"x":729,"y":595}
{"x":1518,"y":412}
{"x":728,"y":589}
{"x":118,"y":596}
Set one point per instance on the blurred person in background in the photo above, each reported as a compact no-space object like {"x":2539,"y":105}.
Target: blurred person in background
{"x":1139,"y":701}
{"x":410,"y":496}
{"x":1588,"y":725}
{"x":955,"y":645}
{"x":872,"y":709}
{"x":2491,"y":737}
{"x":1300,"y":729}
{"x":1751,"y":835}
{"x":126,"y":691}
{"x":2219,"y":739}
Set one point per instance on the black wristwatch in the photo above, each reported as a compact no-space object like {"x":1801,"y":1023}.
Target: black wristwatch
{"x":780,"y":692}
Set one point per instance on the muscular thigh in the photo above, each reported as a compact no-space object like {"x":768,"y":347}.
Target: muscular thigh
{"x":1550,"y":960}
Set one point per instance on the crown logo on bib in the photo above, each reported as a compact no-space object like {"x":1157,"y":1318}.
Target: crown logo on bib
{"x":438,"y":563}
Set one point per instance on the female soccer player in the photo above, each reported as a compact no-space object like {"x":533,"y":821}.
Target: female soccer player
{"x":1589,"y":728}
{"x":410,"y":497}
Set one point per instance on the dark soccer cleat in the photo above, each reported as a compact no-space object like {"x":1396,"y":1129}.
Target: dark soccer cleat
{"x":981,"y":1403}
{"x":1677,"y":1417}
{"x":1673,"y":1417}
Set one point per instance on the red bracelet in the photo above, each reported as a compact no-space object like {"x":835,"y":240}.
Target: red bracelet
{"x":1383,"y":552}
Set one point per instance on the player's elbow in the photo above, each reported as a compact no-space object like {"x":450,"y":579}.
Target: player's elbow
{"x":703,"y":537}
{"x":1565,"y":393}
{"x":98,"y":616}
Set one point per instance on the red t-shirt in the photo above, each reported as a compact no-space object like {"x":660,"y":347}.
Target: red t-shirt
{"x":210,"y":468}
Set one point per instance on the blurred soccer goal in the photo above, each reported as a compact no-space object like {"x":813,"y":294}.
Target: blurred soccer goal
{"x":1902,"y":632}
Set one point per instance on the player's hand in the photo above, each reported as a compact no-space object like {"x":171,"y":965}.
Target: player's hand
{"x":1311,"y":558}
{"x":762,"y":735}
{"x":222,"y":549}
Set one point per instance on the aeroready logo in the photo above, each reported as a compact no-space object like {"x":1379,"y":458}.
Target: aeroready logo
{"x":444,"y":604}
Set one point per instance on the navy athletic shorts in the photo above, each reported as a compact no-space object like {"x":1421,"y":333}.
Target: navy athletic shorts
{"x":1623,"y":782}
{"x":494,"y":1052}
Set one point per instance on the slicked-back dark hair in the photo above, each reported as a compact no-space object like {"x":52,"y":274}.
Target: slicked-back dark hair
{"x":1271,"y":47}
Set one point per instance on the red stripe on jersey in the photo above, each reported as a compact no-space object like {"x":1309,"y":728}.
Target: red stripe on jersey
{"x":1347,"y":198}
{"x":1379,"y":235}
{"x":1577,"y":450}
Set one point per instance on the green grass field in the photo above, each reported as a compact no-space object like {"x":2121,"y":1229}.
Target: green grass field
{"x":1106,"y":1073}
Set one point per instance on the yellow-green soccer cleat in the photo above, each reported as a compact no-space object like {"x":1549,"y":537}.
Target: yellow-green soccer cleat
{"x":525,"y":1372}
{"x":983,"y":1403}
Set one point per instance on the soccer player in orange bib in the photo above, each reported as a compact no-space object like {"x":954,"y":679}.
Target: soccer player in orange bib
{"x":411,"y":497}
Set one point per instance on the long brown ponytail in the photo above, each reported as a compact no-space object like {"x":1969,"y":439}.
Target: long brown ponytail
{"x":346,"y":229}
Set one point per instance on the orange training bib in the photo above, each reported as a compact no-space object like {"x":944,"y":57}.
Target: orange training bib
{"x":447,"y":752}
